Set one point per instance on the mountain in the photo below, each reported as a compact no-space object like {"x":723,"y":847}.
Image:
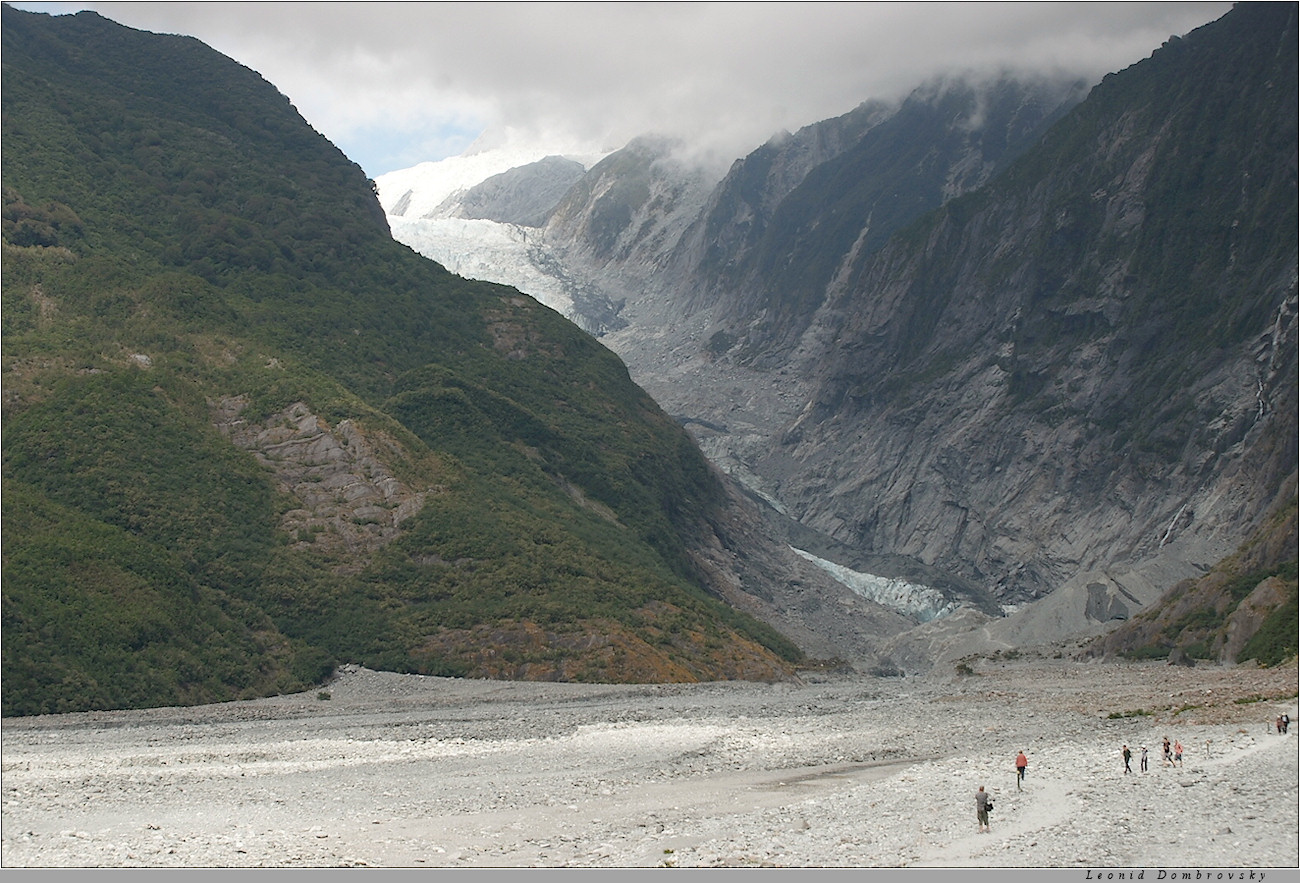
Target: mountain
{"x":1245,"y":608}
{"x":781,"y":225}
{"x":1084,"y":372}
{"x":658,"y":255}
{"x":1033,"y":349}
{"x":525,"y":195}
{"x":247,"y":435}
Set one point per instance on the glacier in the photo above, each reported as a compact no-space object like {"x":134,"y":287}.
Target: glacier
{"x":485,"y":250}
{"x":419,"y":202}
{"x":419,"y":191}
{"x":908,"y":598}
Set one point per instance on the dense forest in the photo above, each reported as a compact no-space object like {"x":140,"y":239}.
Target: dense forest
{"x":186,"y":260}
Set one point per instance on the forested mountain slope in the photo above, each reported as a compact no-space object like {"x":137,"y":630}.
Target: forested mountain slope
{"x":247,"y":435}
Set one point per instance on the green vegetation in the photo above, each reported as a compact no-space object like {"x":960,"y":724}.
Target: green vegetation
{"x":1251,"y":700}
{"x":1278,"y":636}
{"x":1147,"y":652}
{"x":175,"y":235}
{"x":1124,"y":715}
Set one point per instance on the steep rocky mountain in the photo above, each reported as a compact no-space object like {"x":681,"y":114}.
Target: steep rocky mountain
{"x":627,"y":212}
{"x":248,"y":436}
{"x":1089,"y":365}
{"x":1036,"y":352}
{"x":785,"y":219}
{"x":525,"y":195}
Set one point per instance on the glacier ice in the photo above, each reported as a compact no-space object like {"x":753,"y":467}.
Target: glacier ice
{"x":905,"y":597}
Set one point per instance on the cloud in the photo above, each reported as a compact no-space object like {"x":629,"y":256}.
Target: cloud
{"x":394,"y":84}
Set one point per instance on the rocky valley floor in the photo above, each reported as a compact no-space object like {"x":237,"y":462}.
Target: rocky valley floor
{"x":381,"y":770}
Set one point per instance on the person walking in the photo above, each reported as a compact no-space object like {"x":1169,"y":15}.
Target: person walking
{"x":1022,"y":763}
{"x":982,"y":807}
{"x":1178,"y":752}
{"x":1169,"y":756}
{"x":1144,"y":758}
{"x":1128,"y":755}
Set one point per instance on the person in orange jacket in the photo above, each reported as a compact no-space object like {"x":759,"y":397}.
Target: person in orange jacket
{"x":1022,"y":763}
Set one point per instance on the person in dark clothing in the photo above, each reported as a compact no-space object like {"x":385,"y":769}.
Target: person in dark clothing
{"x":982,"y":809}
{"x":1128,"y":755}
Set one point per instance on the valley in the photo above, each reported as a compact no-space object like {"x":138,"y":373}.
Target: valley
{"x":1006,"y":365}
{"x":993,"y":399}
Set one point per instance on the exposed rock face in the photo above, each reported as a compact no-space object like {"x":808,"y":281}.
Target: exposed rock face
{"x":525,"y":195}
{"x":782,"y":225}
{"x":348,"y":499}
{"x":1214,"y":617}
{"x":628,"y":211}
{"x":1031,"y":385}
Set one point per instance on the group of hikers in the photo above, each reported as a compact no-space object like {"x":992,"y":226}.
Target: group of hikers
{"x":1173,"y":755}
{"x":984,"y":802}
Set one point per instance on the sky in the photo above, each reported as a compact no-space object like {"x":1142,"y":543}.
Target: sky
{"x":396,"y":84}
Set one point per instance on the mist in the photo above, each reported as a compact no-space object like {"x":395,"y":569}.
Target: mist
{"x":395,"y":84}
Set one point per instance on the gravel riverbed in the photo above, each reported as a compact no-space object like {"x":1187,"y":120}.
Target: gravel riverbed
{"x":385,"y":770}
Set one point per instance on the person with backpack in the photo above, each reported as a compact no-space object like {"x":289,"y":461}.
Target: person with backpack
{"x":1022,"y":763}
{"x":982,"y":807}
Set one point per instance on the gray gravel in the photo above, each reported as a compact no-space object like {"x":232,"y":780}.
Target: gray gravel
{"x":407,"y":771}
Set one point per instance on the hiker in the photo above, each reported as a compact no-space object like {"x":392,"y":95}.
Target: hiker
{"x":1128,"y":755}
{"x":1169,"y":756}
{"x":982,"y":807}
{"x":1286,"y":723}
{"x":1022,"y":763}
{"x":1178,"y":752}
{"x":1144,"y":758}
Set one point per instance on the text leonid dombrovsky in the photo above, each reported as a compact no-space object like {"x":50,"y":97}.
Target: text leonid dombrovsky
{"x":1174,"y":875}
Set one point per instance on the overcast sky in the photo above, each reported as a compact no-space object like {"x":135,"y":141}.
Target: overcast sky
{"x":395,"y":84}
